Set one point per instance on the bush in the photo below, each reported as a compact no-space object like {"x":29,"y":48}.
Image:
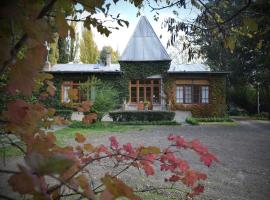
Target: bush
{"x":214,"y":119}
{"x":262,"y":115}
{"x":106,"y":100}
{"x":64,"y":113}
{"x":127,"y":116}
{"x":192,"y":121}
{"x":149,"y":123}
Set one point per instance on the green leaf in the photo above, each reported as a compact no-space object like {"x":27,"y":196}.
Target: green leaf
{"x":230,"y":43}
{"x":251,"y":24}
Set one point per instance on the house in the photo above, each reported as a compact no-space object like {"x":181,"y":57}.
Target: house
{"x":145,"y":73}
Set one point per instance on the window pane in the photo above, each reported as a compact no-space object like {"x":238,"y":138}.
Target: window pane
{"x":65,"y":94}
{"x":188,"y":94}
{"x":196,"y":94}
{"x":179,"y":94}
{"x":133,"y":95}
{"x":148,"y":94}
{"x":156,"y":95}
{"x":141,"y":94}
{"x":204,"y":94}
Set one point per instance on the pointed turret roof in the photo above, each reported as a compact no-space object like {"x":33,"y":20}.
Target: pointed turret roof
{"x":144,"y":45}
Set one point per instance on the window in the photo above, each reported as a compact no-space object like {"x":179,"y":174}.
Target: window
{"x":75,"y":86}
{"x":204,"y":94}
{"x":65,"y":94}
{"x":192,"y":94}
{"x":145,"y":90}
{"x":180,"y":94}
{"x":188,"y":94}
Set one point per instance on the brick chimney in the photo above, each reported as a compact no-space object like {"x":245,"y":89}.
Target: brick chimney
{"x":47,"y":66}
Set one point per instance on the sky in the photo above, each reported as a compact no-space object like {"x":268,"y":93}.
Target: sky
{"x":118,"y":39}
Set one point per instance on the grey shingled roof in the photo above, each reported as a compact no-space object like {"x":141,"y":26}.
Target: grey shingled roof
{"x":144,"y":45}
{"x":189,"y":68}
{"x":90,"y":68}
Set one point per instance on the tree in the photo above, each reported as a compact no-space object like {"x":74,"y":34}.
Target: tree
{"x":50,"y":171}
{"x":54,"y":52}
{"x":63,"y":51}
{"x":108,"y":50}
{"x":88,"y":48}
{"x":230,"y":33}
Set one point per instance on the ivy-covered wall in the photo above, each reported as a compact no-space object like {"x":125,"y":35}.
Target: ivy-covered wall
{"x":141,"y":70}
{"x":217,"y":96}
{"x":111,"y":79}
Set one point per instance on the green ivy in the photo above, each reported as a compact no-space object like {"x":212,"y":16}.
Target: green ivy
{"x":141,"y":70}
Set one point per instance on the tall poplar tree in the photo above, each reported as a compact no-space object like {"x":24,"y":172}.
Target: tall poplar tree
{"x":88,"y":48}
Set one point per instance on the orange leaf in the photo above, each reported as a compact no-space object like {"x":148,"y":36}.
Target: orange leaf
{"x":80,"y":138}
{"x":90,"y":118}
{"x":84,"y":184}
{"x":88,"y":147}
{"x":118,"y":188}
{"x":61,"y":24}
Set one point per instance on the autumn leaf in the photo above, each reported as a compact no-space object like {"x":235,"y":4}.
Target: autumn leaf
{"x":114,"y":142}
{"x":118,"y":188}
{"x":61,"y":24}
{"x":23,"y":72}
{"x":84,"y":184}
{"x":23,"y":182}
{"x":90,"y":118}
{"x":89,"y":147}
{"x":80,"y":138}
{"x":149,"y":150}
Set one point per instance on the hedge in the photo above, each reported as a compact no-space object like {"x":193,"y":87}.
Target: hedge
{"x":148,"y":123}
{"x":64,"y":113}
{"x":214,"y":119}
{"x":192,"y":121}
{"x":127,"y":116}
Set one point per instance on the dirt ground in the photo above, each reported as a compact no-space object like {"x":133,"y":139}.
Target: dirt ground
{"x":244,"y":171}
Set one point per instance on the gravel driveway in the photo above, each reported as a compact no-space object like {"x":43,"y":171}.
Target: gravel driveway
{"x":244,"y":171}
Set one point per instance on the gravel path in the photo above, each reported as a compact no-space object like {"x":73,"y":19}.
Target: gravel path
{"x":244,"y":171}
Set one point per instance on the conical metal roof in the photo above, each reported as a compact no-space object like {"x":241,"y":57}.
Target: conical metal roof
{"x":144,"y":45}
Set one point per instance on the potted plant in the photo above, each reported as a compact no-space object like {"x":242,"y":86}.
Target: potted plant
{"x":146,"y":105}
{"x":141,"y":106}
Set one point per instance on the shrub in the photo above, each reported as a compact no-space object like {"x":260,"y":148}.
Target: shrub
{"x":214,"y":119}
{"x":64,"y":113}
{"x":192,"y":121}
{"x":262,"y":115}
{"x":127,"y":116}
{"x":149,"y":123}
{"x":106,"y":100}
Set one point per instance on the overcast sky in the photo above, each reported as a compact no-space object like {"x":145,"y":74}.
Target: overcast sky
{"x":119,"y":38}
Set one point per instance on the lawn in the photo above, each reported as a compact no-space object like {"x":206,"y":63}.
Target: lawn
{"x":96,"y":129}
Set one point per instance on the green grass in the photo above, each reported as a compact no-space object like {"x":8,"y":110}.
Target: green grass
{"x":99,"y":128}
{"x":9,"y":151}
{"x":220,"y":123}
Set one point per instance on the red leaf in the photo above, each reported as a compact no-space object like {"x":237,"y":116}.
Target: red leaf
{"x":80,"y":138}
{"x":208,"y":159}
{"x":196,"y":191}
{"x":114,"y":143}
